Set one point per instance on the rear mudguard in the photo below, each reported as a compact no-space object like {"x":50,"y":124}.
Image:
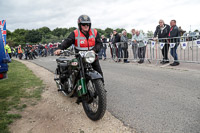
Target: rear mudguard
{"x":93,"y":75}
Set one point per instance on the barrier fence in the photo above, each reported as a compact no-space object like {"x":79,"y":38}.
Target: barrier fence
{"x":187,"y":50}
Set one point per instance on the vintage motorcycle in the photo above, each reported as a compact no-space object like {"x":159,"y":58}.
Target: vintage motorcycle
{"x":75,"y":77}
{"x":43,"y":53}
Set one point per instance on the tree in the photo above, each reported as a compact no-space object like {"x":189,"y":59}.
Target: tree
{"x":33,"y":36}
{"x":129,"y":35}
{"x":108,"y":31}
{"x":53,"y":39}
{"x":11,"y":42}
{"x":64,"y":31}
{"x":44,"y":30}
{"x":196,"y":30}
{"x":18,"y":36}
{"x":44,"y":40}
{"x":150,"y":34}
{"x":71,"y":29}
{"x":100,"y":31}
{"x":8,"y":34}
{"x":45,"y":35}
{"x":57,"y":32}
{"x":119,"y":30}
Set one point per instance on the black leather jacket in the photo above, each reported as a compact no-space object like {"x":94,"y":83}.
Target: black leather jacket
{"x":162,"y":34}
{"x":117,"y":38}
{"x":174,"y":32}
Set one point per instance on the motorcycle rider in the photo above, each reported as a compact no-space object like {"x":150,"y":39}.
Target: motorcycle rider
{"x":33,"y":51}
{"x":27,"y":50}
{"x":85,"y":39}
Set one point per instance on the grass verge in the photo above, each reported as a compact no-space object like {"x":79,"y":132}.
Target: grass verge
{"x":22,"y":88}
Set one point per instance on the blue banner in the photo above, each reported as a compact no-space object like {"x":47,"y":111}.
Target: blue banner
{"x":3,"y":57}
{"x":3,"y":30}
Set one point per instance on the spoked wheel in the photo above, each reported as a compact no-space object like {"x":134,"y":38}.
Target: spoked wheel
{"x":95,"y":106}
{"x":30,"y":57}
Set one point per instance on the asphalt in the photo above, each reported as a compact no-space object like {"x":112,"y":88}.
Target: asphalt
{"x":149,"y":98}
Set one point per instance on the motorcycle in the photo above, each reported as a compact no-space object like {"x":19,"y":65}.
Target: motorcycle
{"x":35,"y":52}
{"x":43,"y":53}
{"x":75,"y":77}
{"x":28,"y":54}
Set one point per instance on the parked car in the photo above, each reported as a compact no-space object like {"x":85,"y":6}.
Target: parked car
{"x":193,"y":36}
{"x":190,"y":36}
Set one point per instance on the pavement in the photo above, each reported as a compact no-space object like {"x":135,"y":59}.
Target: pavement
{"x":150,"y":98}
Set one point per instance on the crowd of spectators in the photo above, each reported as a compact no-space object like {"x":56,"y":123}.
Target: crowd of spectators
{"x":34,"y":51}
{"x":119,"y":43}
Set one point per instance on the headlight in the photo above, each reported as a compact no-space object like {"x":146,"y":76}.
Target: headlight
{"x":90,"y":57}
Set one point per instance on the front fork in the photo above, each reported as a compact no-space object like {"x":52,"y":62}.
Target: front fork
{"x":81,"y":84}
{"x":82,"y":89}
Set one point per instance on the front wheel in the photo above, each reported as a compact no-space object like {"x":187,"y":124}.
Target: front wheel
{"x":95,"y":105}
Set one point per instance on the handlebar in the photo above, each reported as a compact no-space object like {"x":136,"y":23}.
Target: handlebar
{"x":66,"y":52}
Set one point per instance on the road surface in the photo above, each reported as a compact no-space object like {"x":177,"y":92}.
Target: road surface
{"x":149,"y":99}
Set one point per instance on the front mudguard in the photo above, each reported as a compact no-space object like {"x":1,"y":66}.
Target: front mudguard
{"x":93,"y":75}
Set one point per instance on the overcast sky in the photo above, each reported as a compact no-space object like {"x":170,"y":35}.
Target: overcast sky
{"x":139,"y":14}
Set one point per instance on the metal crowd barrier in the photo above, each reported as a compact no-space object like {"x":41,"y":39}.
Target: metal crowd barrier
{"x":187,"y":50}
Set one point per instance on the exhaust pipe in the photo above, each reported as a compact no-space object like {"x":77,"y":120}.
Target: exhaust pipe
{"x":60,"y":87}
{"x":64,"y":93}
{"x":58,"y":84}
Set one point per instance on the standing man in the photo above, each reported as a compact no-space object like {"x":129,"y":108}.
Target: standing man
{"x":116,"y":45}
{"x":111,"y":44}
{"x":124,"y":46}
{"x":85,"y":39}
{"x":40,"y":49}
{"x":20,"y":52}
{"x":174,"y":32}
{"x":8,"y":50}
{"x":51,"y":49}
{"x":26,"y":51}
{"x":16,"y":51}
{"x":46,"y":50}
{"x":181,"y":31}
{"x":103,"y":50}
{"x":134,"y":45}
{"x":139,"y":39}
{"x":162,"y":30}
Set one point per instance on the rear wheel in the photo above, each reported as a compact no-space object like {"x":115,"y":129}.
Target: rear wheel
{"x":95,"y":105}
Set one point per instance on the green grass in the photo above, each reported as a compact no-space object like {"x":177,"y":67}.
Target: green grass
{"x":22,"y":88}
